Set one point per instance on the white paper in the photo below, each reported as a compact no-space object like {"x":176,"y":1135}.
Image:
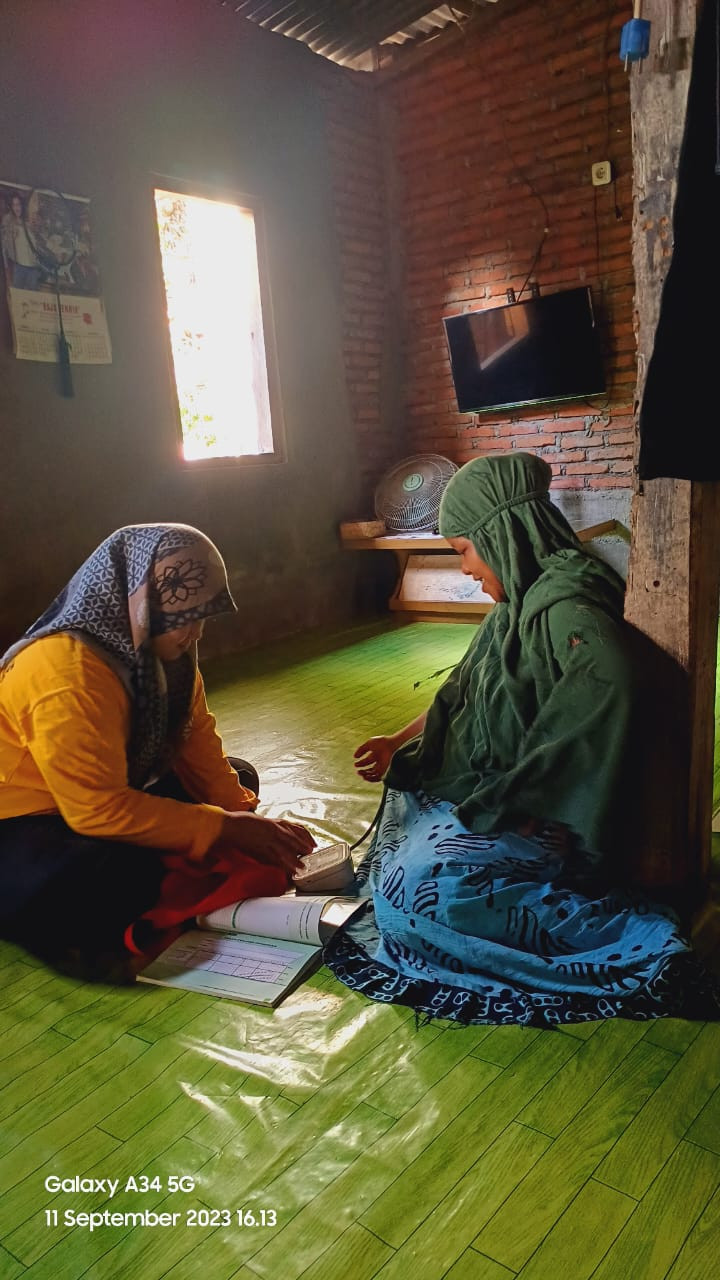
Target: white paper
{"x":439,"y":577}
{"x":234,"y":966}
{"x":290,"y":917}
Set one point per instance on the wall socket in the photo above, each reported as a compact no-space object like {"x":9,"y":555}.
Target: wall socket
{"x":601,"y":173}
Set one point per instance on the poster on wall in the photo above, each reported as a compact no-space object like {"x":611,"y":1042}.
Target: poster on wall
{"x":51,"y":275}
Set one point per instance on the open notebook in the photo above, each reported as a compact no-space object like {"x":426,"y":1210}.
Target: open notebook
{"x":255,"y":951}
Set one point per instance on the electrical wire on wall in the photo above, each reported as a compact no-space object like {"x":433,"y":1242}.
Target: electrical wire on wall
{"x":526,"y":182}
{"x":546,"y":215}
{"x":524,"y":178}
{"x":541,"y":244}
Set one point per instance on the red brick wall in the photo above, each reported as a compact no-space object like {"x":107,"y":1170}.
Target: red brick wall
{"x":490,"y":125}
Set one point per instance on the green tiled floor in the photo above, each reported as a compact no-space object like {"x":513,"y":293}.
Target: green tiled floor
{"x":364,"y":1147}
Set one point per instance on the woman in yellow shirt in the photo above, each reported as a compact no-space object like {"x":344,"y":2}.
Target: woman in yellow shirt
{"x":110,"y":760}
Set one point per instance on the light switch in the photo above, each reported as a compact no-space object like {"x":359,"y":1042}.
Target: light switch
{"x":601,"y":173}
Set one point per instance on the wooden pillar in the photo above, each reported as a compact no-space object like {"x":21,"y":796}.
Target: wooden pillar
{"x":674,"y":570}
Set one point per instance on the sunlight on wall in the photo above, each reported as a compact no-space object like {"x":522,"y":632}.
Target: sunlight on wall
{"x":212,"y":286}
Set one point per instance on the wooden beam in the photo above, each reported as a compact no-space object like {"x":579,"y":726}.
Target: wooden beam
{"x":674,"y":568}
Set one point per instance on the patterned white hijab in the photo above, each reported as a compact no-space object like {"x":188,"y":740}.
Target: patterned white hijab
{"x":142,"y":581}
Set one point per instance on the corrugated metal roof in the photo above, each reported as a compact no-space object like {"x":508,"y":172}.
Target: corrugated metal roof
{"x":426,"y":26}
{"x":348,"y":31}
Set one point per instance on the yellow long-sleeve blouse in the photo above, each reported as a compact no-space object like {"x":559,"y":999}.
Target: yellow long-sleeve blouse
{"x":64,"y":726}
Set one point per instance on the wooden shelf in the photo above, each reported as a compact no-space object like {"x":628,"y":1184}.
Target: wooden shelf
{"x":469,"y":608}
{"x":607,"y":527}
{"x":407,"y":548}
{"x":411,"y":549}
{"x":398,"y":542}
{"x":434,"y":542}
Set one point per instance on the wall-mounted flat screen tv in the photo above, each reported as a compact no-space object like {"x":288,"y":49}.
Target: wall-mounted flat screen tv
{"x":546,"y":348}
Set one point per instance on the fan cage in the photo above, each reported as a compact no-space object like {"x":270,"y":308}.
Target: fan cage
{"x":408,"y":497}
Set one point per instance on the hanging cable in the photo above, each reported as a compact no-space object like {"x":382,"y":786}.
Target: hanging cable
{"x":546,"y":216}
{"x":374,"y":822}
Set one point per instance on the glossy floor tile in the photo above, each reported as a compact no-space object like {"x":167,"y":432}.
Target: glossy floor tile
{"x":334,"y":1138}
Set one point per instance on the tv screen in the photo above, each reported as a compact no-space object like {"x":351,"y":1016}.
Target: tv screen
{"x":546,"y":348}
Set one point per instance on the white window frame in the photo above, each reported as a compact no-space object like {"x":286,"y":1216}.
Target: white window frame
{"x":277,"y":426}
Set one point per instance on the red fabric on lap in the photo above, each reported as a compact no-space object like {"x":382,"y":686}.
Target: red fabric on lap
{"x":189,"y":891}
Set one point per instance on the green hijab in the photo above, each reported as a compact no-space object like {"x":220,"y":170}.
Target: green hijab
{"x":533,"y":722}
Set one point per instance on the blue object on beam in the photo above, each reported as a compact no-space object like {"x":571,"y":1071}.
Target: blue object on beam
{"x":635,"y":40}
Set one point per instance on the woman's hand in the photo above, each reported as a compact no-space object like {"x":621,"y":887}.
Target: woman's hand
{"x":278,"y":843}
{"x":555,"y":834}
{"x":372,"y":758}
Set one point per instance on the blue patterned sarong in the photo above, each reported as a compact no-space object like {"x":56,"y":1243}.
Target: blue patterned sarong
{"x":507,"y":929}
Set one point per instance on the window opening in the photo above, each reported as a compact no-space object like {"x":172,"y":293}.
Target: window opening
{"x":211,"y":271}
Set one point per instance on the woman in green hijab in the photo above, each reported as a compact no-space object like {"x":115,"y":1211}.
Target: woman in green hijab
{"x":511,"y":797}
{"x":533,"y":723}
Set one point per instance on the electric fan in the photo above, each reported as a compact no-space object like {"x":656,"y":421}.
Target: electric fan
{"x":408,"y":496}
